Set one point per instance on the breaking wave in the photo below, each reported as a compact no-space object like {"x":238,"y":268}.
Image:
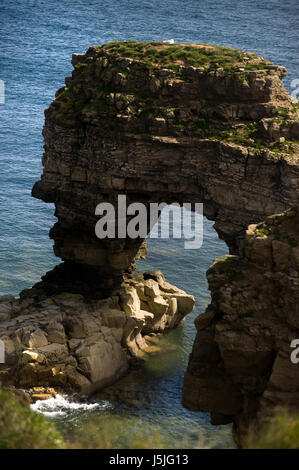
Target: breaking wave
{"x":62,"y":406}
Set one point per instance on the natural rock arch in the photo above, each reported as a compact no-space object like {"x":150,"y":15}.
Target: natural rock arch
{"x":163,"y":131}
{"x":157,"y":134}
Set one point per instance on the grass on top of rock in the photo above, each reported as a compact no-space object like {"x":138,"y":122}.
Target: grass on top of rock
{"x":262,"y":232}
{"x":272,"y":229}
{"x":228,"y":265}
{"x":249,"y":136}
{"x":197,"y":55}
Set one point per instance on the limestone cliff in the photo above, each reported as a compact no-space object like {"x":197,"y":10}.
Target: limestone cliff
{"x":240,"y":367}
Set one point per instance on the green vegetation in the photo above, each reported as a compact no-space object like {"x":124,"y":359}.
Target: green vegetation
{"x":104,"y":95}
{"x":295,"y":108}
{"x":280,"y":431}
{"x":263,"y":232}
{"x":229,"y":265}
{"x":104,"y":433}
{"x":201,"y":123}
{"x":265,"y":229}
{"x":207,"y":56}
{"x":68,"y":105}
{"x":248,"y":135}
{"x":80,"y":65}
{"x":239,"y":135}
{"x":21,"y":428}
{"x":72,"y":100}
{"x":226,"y":263}
{"x":151,"y":111}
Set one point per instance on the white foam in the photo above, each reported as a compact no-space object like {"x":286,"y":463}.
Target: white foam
{"x":60,"y":406}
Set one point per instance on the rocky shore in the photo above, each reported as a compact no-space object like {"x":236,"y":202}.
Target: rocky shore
{"x":81,"y":344}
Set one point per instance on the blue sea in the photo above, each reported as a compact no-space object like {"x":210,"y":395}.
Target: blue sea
{"x":38,"y":38}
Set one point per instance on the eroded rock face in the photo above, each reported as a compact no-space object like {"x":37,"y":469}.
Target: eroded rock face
{"x":80,"y":344}
{"x":162,"y":132}
{"x":240,"y":366}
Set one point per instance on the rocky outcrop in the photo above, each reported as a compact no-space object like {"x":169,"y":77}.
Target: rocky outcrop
{"x":240,"y":367}
{"x":160,"y":123}
{"x":76,"y":343}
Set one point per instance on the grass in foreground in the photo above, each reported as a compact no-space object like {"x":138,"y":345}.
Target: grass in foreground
{"x":21,"y":428}
{"x":281,"y":431}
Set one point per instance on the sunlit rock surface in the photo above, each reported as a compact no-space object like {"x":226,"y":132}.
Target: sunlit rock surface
{"x":80,"y":344}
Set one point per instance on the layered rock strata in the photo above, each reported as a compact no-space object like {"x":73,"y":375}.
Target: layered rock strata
{"x":240,"y":368}
{"x":76,"y":343}
{"x":160,"y":123}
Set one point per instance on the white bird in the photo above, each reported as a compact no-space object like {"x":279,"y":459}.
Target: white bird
{"x":169,"y":41}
